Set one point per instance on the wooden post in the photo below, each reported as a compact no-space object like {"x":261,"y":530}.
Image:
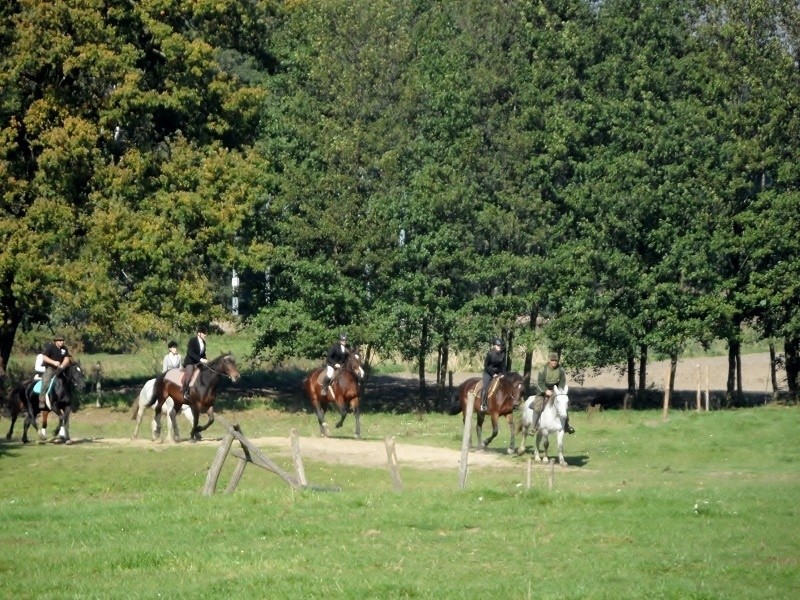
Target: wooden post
{"x":465,"y":440}
{"x":528,"y":473}
{"x":216,"y":466}
{"x":552,"y":474}
{"x":666,"y":393}
{"x":241,"y":463}
{"x":391,"y":454}
{"x":707,"y":394}
{"x":238,"y":471}
{"x":297,"y":458}
{"x":699,"y":404}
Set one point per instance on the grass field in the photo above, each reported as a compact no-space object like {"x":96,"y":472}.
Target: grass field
{"x":700,"y":506}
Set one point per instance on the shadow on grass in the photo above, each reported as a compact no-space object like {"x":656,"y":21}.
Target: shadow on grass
{"x":280,"y":389}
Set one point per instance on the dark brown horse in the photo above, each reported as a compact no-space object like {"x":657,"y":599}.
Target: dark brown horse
{"x":504,"y":395}
{"x":24,"y":398}
{"x":201,"y":395}
{"x":343,"y":391}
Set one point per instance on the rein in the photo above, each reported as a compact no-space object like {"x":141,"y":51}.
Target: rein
{"x":212,"y":369}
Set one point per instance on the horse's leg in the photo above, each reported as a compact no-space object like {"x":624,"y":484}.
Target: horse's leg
{"x":64,"y":432}
{"x":157,"y":423}
{"x":319,"y":410}
{"x":357,"y":417}
{"x":210,"y":415}
{"x":29,"y":420}
{"x":511,"y":445}
{"x":43,"y":430}
{"x":14,"y":414}
{"x":488,"y":440}
{"x":172,"y":424}
{"x":536,"y":456}
{"x":139,"y":415}
{"x":479,"y":431}
{"x":546,"y":446}
{"x":560,"y":440}
{"x":342,"y":414}
{"x":195,"y":424}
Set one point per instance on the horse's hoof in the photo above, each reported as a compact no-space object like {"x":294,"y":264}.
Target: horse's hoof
{"x":68,"y":442}
{"x":511,"y":452}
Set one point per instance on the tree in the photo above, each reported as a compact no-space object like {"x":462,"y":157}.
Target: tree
{"x":118,"y":126}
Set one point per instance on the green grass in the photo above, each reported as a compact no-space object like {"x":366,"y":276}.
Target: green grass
{"x":700,"y":506}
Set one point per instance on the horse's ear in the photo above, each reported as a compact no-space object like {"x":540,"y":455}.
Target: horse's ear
{"x":565,"y":390}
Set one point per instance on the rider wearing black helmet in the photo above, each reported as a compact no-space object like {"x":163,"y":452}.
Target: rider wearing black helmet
{"x":493,"y":365}
{"x":337,"y":356}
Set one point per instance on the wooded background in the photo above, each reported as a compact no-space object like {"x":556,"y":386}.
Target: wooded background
{"x":614,"y":179}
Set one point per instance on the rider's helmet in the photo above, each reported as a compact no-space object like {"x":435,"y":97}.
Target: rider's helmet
{"x":342,"y":337}
{"x":498,"y":342}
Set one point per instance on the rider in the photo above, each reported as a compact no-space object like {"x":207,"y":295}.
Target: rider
{"x":337,"y":355}
{"x":172,"y":359}
{"x":55,"y":357}
{"x":195,"y":354}
{"x":551,"y":375}
{"x":493,"y":365}
{"x":38,"y":367}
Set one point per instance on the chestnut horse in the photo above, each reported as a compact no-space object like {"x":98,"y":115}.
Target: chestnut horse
{"x":201,"y":395}
{"x":24,"y":398}
{"x":344,"y":391}
{"x":504,"y":394}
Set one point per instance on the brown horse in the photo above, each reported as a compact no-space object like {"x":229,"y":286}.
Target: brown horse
{"x":504,"y":394}
{"x":201,"y":395}
{"x":344,"y":391}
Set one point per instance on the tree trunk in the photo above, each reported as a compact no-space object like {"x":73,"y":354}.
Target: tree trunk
{"x":423,"y":343}
{"x":673,"y":367}
{"x":8,"y":331}
{"x":527,"y":367}
{"x":773,"y":374}
{"x":642,"y":371}
{"x":734,"y":371}
{"x":791,"y":348}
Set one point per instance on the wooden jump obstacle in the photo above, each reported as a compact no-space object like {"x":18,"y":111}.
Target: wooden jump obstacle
{"x":250,"y":454}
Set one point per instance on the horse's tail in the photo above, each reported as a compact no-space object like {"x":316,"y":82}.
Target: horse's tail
{"x":134,"y":408}
{"x":455,"y":404}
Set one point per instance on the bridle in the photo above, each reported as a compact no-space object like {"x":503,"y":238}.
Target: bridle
{"x":222,"y":373}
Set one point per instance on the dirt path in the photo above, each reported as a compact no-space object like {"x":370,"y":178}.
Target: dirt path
{"x":756,"y":379}
{"x":340,"y":451}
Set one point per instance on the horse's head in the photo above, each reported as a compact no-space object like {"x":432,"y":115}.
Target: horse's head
{"x":515,"y":383}
{"x":225,"y":365}
{"x":355,"y":365}
{"x":561,"y":401}
{"x":74,"y":375}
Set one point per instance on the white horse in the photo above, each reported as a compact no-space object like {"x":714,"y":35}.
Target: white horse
{"x":140,"y":405}
{"x":554,"y":415}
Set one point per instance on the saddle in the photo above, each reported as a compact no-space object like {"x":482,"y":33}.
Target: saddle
{"x":492,"y":387}
{"x":321,"y":376}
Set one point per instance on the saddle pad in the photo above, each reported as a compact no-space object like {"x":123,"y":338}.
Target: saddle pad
{"x":174,"y":375}
{"x":37,"y":387}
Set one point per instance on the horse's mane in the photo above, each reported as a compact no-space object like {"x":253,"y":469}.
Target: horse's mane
{"x":220,"y":359}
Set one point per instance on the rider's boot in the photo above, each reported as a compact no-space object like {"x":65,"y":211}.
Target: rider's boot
{"x":567,"y":427}
{"x":484,"y":401}
{"x":186,"y":393}
{"x":325,"y":383}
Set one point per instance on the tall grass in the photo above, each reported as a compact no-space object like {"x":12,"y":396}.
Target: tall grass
{"x":700,"y":506}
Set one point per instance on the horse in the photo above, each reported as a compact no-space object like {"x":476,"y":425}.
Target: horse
{"x":343,"y":391}
{"x":201,"y":395}
{"x":142,"y":403}
{"x":504,"y":395}
{"x":552,"y":420}
{"x":25,"y":398}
